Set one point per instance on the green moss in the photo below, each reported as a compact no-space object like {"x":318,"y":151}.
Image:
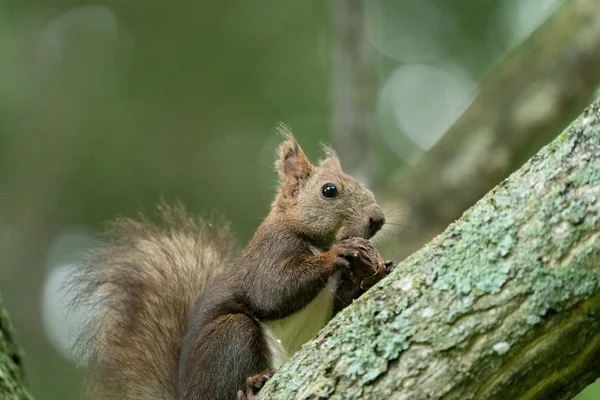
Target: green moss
{"x":591,"y":131}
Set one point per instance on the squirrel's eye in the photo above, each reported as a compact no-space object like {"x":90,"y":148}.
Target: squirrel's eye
{"x":329,"y":191}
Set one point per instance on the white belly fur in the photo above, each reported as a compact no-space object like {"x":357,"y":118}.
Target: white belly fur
{"x":285,"y":336}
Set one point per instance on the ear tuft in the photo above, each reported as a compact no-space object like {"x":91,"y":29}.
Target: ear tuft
{"x":332,"y":160}
{"x":292,"y":165}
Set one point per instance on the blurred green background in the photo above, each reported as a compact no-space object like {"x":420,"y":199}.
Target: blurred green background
{"x":106,"y":107}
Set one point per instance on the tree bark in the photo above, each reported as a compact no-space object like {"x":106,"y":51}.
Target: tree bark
{"x":537,"y":89}
{"x":504,"y":304}
{"x":12,"y":385}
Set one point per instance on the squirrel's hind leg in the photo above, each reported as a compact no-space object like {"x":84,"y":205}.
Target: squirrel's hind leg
{"x":227,"y":351}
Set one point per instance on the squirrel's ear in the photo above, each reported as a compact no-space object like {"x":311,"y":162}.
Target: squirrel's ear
{"x":292,"y":164}
{"x":331,"y":161}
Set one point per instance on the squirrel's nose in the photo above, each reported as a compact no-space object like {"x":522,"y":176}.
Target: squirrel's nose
{"x":376,"y":221}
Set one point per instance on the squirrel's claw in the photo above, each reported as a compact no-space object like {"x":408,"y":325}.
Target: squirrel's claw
{"x":254,"y":384}
{"x":389,"y":266}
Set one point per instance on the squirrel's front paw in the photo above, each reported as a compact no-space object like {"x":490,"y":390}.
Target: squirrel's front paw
{"x":254,"y":384}
{"x":363,"y":261}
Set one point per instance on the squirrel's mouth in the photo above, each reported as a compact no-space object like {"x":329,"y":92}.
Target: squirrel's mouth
{"x":364,"y":235}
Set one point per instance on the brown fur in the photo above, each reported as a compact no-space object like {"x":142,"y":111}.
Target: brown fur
{"x":165,"y":328}
{"x":142,"y":287}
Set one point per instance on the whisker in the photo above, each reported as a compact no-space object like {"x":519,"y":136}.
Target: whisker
{"x":394,"y":209}
{"x":395,"y":216}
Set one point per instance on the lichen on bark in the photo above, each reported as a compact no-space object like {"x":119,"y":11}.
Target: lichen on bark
{"x":504,"y":304}
{"x":12,"y":386}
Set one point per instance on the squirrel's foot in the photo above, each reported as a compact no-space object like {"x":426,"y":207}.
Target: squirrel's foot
{"x":254,"y":384}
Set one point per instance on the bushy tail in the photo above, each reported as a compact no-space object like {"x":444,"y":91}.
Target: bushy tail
{"x":141,"y":288}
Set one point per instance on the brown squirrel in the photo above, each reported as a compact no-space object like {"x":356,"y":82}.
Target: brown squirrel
{"x":171,"y":320}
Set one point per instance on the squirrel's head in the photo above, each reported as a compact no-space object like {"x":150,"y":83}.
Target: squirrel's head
{"x":323,"y":203}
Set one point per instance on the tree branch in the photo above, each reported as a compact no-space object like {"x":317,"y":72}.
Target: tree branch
{"x":541,"y":84}
{"x":354,"y":87}
{"x":12,"y":386}
{"x":504,"y":304}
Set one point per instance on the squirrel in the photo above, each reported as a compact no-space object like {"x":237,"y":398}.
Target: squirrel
{"x":175,"y":316}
